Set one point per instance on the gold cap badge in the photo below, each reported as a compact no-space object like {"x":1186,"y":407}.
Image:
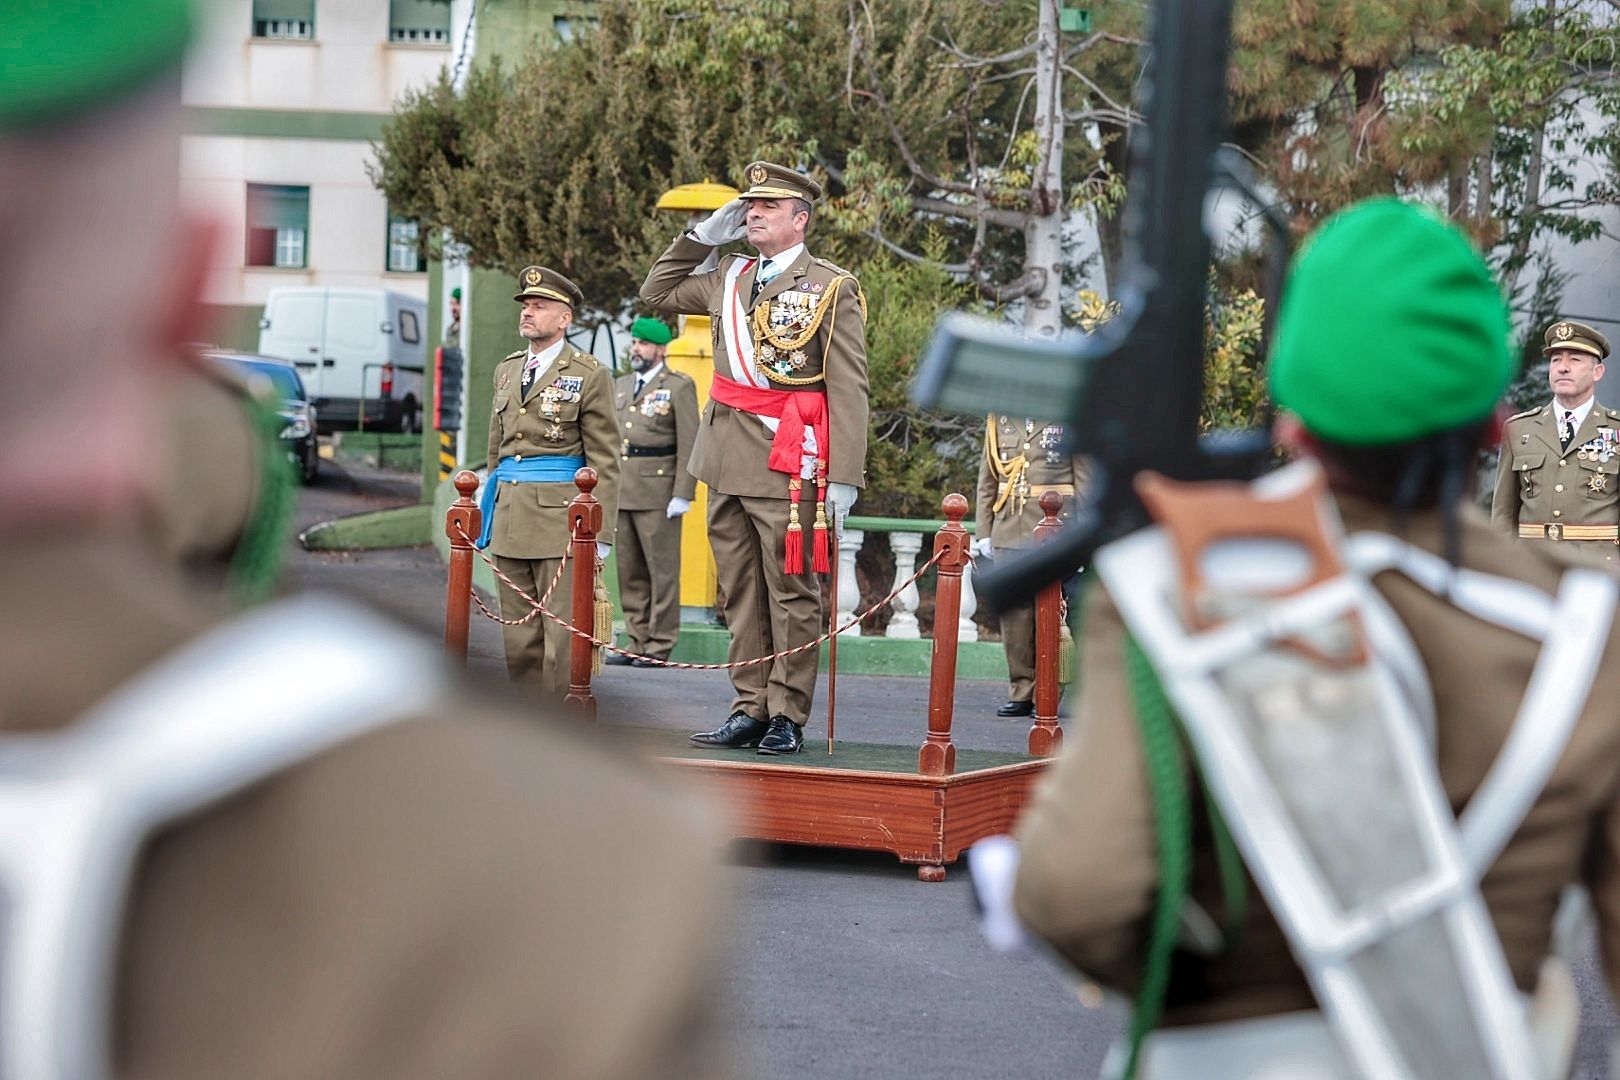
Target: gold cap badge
{"x":757,"y":174}
{"x":1563,"y":331}
{"x":532,"y":277}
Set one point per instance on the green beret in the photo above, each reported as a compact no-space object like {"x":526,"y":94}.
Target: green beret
{"x":654,"y":331}
{"x":455,"y":294}
{"x":58,"y":56}
{"x":1391,"y":328}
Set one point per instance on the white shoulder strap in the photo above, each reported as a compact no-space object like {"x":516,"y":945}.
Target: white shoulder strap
{"x":1574,"y":629}
{"x":264,"y":692}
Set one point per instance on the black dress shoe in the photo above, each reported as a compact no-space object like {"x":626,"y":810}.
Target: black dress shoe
{"x":617,"y":660}
{"x":738,"y":732}
{"x":1017,"y":708}
{"x":639,"y":662}
{"x":783,"y":737}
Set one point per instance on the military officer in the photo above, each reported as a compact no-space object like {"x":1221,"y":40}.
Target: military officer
{"x":452,"y":333}
{"x":454,"y":890}
{"x":552,"y":415}
{"x":1023,"y":459}
{"x":658,"y":418}
{"x":782,"y":443}
{"x":1558,"y":480}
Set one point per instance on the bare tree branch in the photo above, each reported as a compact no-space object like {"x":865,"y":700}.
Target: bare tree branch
{"x":1100,"y":94}
{"x":995,"y":215}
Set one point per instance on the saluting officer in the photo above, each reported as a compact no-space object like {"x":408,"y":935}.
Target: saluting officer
{"x":784,"y":434}
{"x":1023,"y":460}
{"x":552,"y":415}
{"x":1559,"y":476}
{"x":658,"y":417}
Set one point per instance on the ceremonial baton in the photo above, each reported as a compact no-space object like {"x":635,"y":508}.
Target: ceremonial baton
{"x":832,"y":627}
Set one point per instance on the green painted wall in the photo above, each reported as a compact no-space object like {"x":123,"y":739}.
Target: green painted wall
{"x":233,"y":326}
{"x":284,"y":123}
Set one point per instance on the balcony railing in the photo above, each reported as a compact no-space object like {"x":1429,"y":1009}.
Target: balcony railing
{"x":905,"y":539}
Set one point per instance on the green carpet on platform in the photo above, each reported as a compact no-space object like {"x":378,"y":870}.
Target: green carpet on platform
{"x":868,"y":757}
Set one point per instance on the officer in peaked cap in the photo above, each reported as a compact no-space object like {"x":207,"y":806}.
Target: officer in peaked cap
{"x":658,"y":419}
{"x":782,"y":446}
{"x":1558,"y":481}
{"x":552,"y":415}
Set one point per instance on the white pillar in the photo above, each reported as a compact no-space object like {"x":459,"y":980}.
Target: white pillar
{"x":905,"y":546}
{"x":966,"y":628}
{"x":849,"y":589}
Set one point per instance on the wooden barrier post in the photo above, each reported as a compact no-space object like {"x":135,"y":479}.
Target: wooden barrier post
{"x":1045,"y":737}
{"x":462,"y":523}
{"x":584,"y":522}
{"x":938,"y":754}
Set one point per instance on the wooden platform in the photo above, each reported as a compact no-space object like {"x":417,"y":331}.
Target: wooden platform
{"x":866,"y":796}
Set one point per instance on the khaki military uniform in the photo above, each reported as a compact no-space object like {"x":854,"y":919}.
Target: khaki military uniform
{"x":1089,"y":872}
{"x":656,"y":428}
{"x":1570,"y":497}
{"x":1023,"y":459}
{"x":567,"y":411}
{"x":766,"y":609}
{"x":461,"y":894}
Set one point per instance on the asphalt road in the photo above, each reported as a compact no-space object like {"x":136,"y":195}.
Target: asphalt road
{"x":843,"y":965}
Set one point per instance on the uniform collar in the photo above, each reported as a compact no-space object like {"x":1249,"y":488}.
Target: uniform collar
{"x":650,"y":374}
{"x":780,"y":262}
{"x":545,"y":357}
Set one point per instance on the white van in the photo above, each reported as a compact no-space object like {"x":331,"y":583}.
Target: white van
{"x":360,"y":352}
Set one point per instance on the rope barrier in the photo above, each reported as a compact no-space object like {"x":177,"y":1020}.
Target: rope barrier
{"x":541,"y":609}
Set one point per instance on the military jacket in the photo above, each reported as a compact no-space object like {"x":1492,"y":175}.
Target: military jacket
{"x":732,"y":446}
{"x":664,"y":415}
{"x":1541,"y":486}
{"x":568,"y":410}
{"x":1022,"y":459}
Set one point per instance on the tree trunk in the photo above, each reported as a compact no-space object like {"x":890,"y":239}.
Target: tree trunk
{"x":1043,"y":236}
{"x":1111,"y":228}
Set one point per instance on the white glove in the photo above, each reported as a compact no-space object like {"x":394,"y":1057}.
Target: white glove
{"x":677,"y":506}
{"x":982,"y":548}
{"x":840,"y":498}
{"x":603,"y":550}
{"x":722,"y":226}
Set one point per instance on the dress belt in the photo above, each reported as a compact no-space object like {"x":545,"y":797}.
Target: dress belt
{"x":650,"y":451}
{"x":1557,"y":530}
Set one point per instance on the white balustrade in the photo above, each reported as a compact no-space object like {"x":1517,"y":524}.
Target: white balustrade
{"x":905,"y":546}
{"x":966,"y":628}
{"x":849,"y":589}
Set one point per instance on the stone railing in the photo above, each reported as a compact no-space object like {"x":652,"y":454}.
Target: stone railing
{"x":905,"y":539}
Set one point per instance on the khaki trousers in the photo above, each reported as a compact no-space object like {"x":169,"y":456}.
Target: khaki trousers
{"x":766,"y":609}
{"x":1018,"y":638}
{"x":536,"y":652}
{"x":649,"y":558}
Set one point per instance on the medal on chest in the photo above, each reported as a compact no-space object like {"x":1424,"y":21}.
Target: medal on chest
{"x":657,"y":403}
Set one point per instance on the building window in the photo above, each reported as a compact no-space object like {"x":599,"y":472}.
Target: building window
{"x":290,"y":20}
{"x":277,"y":225}
{"x":404,"y":246}
{"x":422,"y":22}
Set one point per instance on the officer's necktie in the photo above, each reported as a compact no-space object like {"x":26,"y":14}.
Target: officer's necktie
{"x":640,"y":382}
{"x":762,"y":278}
{"x":1568,"y":428}
{"x":528,"y":380}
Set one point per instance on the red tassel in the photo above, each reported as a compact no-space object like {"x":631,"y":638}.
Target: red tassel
{"x":823,"y":564}
{"x":793,"y":560}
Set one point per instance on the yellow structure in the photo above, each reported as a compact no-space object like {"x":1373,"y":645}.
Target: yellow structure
{"x":692,"y":353}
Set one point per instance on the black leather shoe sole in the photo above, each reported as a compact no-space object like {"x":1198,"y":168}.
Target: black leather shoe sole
{"x":782,"y":749}
{"x":1017,"y":708}
{"x":617,"y":660}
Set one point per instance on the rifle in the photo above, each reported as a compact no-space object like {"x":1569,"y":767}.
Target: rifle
{"x":1133,"y":388}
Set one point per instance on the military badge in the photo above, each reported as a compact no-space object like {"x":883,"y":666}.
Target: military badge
{"x":816,"y":286}
{"x":1563,"y":331}
{"x":554,"y":433}
{"x":757,"y":174}
{"x":804,"y":286}
{"x":531,"y":277}
{"x":656,"y":403}
{"x":1598,"y":482}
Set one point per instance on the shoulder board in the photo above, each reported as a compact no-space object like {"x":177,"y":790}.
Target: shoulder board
{"x":834,"y":267}
{"x":1524,"y":415}
{"x":1612,"y":414}
{"x":514,"y":355}
{"x":586,"y":358}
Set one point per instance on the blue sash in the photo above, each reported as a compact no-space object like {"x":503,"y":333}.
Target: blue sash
{"x":556,"y":468}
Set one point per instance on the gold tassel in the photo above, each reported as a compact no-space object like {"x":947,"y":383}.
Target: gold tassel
{"x":602,"y":619}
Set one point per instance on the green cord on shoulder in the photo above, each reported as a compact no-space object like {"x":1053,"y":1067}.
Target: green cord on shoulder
{"x":256,"y":564}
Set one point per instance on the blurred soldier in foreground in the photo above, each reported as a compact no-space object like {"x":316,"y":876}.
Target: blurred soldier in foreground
{"x":782,"y":446}
{"x":281,"y":845}
{"x":1023,"y":460}
{"x":1558,"y":481}
{"x":658,"y":419}
{"x":1391,"y":393}
{"x":552,"y":415}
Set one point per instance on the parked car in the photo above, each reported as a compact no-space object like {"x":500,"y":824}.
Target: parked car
{"x":360,"y":352}
{"x":297,"y":411}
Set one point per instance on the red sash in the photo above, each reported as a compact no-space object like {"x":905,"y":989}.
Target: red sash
{"x":795,"y":411}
